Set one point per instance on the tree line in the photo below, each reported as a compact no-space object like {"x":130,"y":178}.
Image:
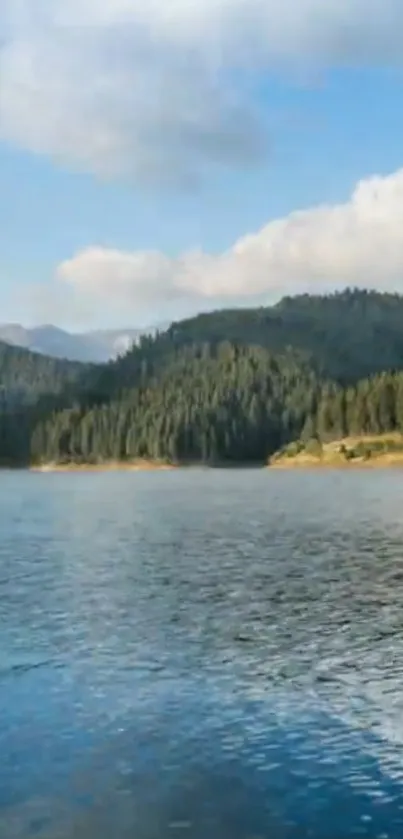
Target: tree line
{"x":232,"y":386}
{"x":226,"y":404}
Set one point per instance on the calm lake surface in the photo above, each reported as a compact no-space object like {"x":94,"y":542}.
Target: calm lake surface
{"x":203,"y":654}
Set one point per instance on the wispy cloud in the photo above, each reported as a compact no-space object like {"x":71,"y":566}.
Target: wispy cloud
{"x":146,"y":89}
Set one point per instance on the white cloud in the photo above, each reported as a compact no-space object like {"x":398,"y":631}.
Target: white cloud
{"x":146,"y":87}
{"x":358,"y":243}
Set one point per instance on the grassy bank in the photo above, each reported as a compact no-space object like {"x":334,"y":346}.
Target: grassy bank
{"x":368,"y":451}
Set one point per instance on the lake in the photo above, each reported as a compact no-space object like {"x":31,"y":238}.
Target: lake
{"x":201,"y":653}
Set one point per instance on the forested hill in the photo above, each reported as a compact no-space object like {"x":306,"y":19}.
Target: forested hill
{"x":206,"y":403}
{"x":345,"y":337}
{"x":223,"y":387}
{"x":348,"y":335}
{"x":25,"y":376}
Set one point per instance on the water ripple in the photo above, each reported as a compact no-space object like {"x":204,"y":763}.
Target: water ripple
{"x":204,"y":654}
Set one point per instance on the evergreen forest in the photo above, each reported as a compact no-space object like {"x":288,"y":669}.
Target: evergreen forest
{"x":228,"y":387}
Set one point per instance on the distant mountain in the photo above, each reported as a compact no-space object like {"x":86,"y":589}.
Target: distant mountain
{"x":98,"y":346}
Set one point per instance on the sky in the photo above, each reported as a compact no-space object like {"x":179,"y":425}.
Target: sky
{"x":163,"y":158}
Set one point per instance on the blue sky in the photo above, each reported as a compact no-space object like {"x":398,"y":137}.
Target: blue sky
{"x":94,"y":233}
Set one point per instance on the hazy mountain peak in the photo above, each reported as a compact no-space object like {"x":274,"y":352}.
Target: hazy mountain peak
{"x":96,"y":346}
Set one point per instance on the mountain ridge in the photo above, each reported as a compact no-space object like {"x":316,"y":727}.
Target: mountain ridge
{"x":95,"y":346}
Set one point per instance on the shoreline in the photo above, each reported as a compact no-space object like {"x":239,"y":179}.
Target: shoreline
{"x":370,"y":452}
{"x":106,"y":466}
{"x":279,"y":466}
{"x":137,"y":466}
{"x":286,"y":465}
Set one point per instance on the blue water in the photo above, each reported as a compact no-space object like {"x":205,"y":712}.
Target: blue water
{"x":203,"y":653}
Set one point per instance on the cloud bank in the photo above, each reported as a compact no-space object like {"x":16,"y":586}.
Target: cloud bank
{"x":358,"y":243}
{"x":161,"y":90}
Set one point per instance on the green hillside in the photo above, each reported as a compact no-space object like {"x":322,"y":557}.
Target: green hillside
{"x":348,"y":336}
{"x":229,"y":386}
{"x":26,"y":376}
